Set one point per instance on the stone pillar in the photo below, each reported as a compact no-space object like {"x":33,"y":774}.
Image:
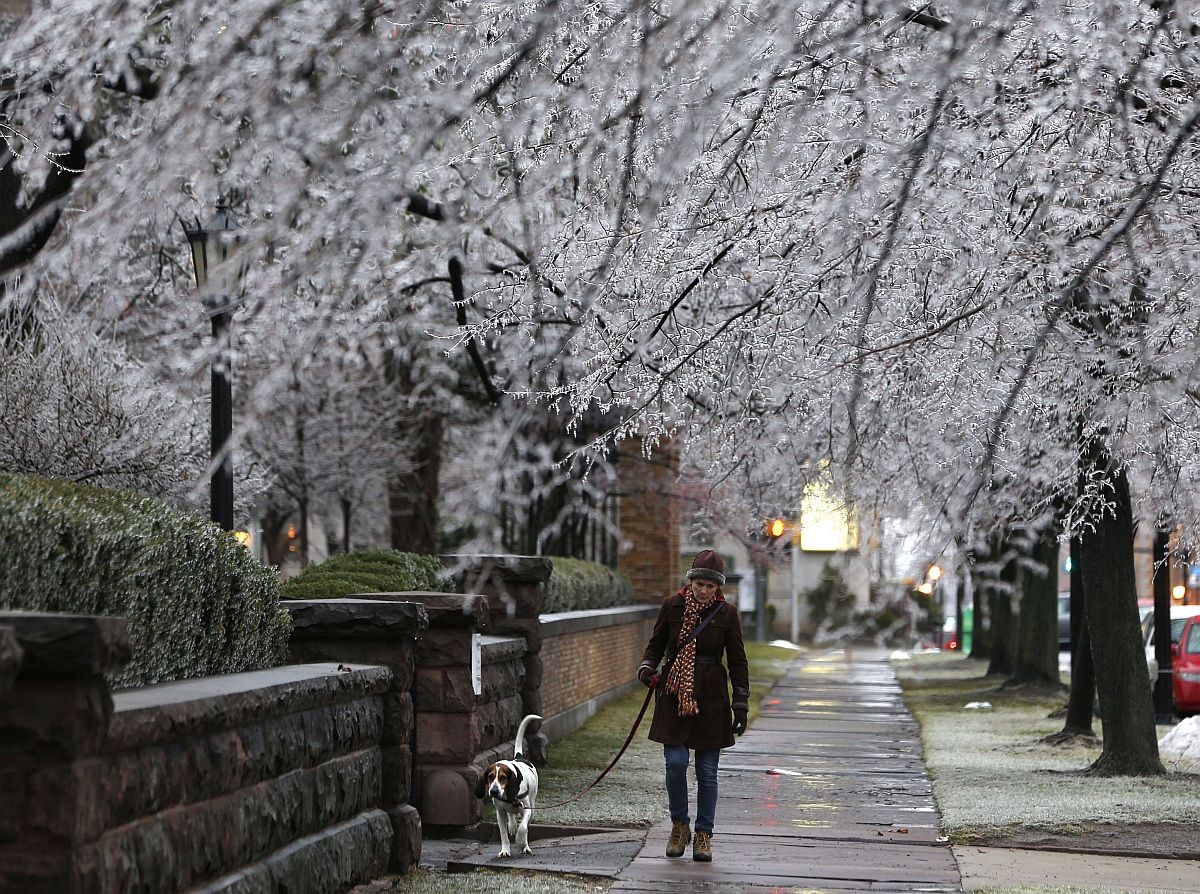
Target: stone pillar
{"x":649,"y":518}
{"x":513,"y":585}
{"x":53,"y":723}
{"x":375,"y":630}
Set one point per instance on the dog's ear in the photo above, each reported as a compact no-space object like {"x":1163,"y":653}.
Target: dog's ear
{"x":481,"y":786}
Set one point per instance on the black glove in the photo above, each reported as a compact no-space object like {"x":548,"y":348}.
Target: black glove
{"x":648,"y":677}
{"x":740,"y":711}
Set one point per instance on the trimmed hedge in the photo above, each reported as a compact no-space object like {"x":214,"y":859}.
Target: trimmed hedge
{"x":576,"y":585}
{"x":368,"y":572}
{"x":197,"y":602}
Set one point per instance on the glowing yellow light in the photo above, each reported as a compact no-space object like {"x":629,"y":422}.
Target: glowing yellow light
{"x":291,"y":531}
{"x":1177,"y":593}
{"x":827,"y":523}
{"x":778,"y":526}
{"x":925,"y":588}
{"x":242,"y":537}
{"x":935,"y":571}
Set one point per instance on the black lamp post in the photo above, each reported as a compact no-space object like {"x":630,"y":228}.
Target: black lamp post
{"x":218,"y":275}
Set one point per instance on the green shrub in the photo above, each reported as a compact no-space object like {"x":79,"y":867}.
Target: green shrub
{"x":830,"y":602}
{"x":197,"y":602}
{"x":368,"y":572}
{"x":576,"y":585}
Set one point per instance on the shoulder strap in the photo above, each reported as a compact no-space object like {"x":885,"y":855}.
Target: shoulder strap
{"x":695,"y":633}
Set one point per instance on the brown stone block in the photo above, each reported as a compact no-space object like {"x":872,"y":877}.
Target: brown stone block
{"x":455,"y":693}
{"x":46,"y":718}
{"x":496,"y":649}
{"x":126,"y":787}
{"x":397,"y":774}
{"x":406,"y":838}
{"x":447,"y":738}
{"x":532,"y":704}
{"x":431,"y":686}
{"x":397,"y":718}
{"x":355,"y":619}
{"x":446,"y":646}
{"x":497,"y":722}
{"x":193,"y":708}
{"x":395,"y":654}
{"x":37,"y":805}
{"x":42,"y":871}
{"x":447,"y":796}
{"x":11,"y":656}
{"x":180,"y":848}
{"x":527,"y":628}
{"x":70,"y":645}
{"x":533,"y":673}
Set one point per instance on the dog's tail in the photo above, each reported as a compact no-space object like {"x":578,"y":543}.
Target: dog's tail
{"x":519,"y":744}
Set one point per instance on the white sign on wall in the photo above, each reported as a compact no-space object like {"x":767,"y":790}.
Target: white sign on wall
{"x":477,"y":663}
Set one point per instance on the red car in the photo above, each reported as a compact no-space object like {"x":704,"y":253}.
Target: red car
{"x":1185,"y":669}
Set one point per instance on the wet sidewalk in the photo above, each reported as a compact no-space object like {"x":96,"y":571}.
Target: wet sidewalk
{"x":825,"y":792}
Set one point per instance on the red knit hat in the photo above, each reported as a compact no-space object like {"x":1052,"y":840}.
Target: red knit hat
{"x":708,"y":565}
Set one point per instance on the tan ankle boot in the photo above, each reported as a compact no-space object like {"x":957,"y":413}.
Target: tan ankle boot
{"x":680,"y":836}
{"x":702,"y":849}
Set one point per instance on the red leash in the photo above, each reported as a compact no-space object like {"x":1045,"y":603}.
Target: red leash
{"x":628,"y":739}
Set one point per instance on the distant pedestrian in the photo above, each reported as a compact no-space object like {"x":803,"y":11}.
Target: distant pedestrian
{"x":692,"y":710}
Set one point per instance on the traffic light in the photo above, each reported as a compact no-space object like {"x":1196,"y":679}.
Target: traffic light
{"x":777,"y":528}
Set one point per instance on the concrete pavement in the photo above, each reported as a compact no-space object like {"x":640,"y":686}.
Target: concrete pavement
{"x":825,"y":792}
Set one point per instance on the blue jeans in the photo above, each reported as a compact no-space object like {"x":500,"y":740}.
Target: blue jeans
{"x":707,"y":760}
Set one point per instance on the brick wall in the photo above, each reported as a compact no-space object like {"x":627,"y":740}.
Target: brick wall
{"x":649,"y":517}
{"x":590,"y":658}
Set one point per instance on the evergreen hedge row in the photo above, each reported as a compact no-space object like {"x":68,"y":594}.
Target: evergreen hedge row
{"x":197,"y":601}
{"x":576,"y":585}
{"x":368,"y":572}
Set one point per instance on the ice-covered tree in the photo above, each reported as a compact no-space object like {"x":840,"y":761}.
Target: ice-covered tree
{"x":944,"y":251}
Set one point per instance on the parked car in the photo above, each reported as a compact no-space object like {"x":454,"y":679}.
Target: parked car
{"x":1064,"y":619}
{"x":1185,"y":667}
{"x":1179,"y":617}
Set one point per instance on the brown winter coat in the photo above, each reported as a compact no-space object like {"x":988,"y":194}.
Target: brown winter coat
{"x":713,"y":726}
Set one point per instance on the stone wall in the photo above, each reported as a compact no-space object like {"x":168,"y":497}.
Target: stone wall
{"x":513,"y":587}
{"x":386,"y":630}
{"x":267,"y":781}
{"x":306,"y":778}
{"x":590,"y":658}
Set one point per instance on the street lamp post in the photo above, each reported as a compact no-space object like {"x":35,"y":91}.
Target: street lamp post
{"x":218,"y":273}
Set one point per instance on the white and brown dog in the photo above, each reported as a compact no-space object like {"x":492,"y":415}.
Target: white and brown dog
{"x":513,"y":787}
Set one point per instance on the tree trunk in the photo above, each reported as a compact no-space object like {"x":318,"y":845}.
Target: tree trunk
{"x":1036,"y":654}
{"x":1164,"y":694}
{"x":1081,"y":705}
{"x":274,"y":526}
{"x":346,"y":507}
{"x":960,"y":598}
{"x":981,"y":622}
{"x":413,"y":497}
{"x":1004,"y":623}
{"x":1110,"y":597}
{"x":303,"y":534}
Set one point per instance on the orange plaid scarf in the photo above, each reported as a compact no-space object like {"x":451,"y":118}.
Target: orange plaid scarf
{"x":681,"y":681}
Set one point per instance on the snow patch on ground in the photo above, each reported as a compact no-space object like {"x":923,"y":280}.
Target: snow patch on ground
{"x":1183,"y":741}
{"x":785,"y":644}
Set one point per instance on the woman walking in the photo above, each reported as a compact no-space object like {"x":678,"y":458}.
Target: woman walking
{"x":692,"y":710}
